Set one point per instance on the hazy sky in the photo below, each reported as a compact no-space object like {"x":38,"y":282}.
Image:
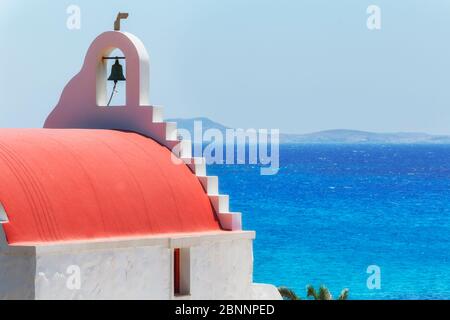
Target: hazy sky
{"x":299,"y":66}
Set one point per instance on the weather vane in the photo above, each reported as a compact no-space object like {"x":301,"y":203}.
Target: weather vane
{"x":120,"y":16}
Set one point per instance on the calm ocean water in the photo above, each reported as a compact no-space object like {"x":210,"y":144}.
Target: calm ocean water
{"x":333,"y":210}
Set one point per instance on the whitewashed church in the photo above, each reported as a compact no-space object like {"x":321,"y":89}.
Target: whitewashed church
{"x":105,"y":202}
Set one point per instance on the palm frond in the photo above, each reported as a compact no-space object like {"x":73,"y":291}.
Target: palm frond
{"x":311,"y":292}
{"x":344,"y":294}
{"x":288,"y":294}
{"x":324,"y":293}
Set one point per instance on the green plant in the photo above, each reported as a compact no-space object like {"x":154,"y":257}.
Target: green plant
{"x":322,"y":294}
{"x":288,"y":294}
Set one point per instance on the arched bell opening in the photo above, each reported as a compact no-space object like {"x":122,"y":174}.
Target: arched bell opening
{"x":111,"y":79}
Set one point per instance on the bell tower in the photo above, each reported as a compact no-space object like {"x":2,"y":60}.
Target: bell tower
{"x":82,"y":106}
{"x":83,"y":99}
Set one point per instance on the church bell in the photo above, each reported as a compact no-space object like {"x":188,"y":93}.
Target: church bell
{"x":116,"y":72}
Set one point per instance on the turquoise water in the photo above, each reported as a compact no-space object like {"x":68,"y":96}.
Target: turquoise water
{"x":333,"y":210}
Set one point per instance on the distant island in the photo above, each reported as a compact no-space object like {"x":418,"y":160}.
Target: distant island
{"x":338,"y":136}
{"x":354,"y":136}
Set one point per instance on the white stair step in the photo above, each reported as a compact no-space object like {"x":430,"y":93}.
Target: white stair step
{"x":231,"y":221}
{"x":165,"y":131}
{"x":158,"y":114}
{"x":159,"y":130}
{"x":182,"y":149}
{"x":197,"y":165}
{"x":221,"y":203}
{"x":210,"y":184}
{"x":171,"y":130}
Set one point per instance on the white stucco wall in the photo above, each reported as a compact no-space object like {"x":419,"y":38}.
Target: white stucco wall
{"x":104,"y":273}
{"x":221,"y":267}
{"x":222,"y":270}
{"x":262,"y":291}
{"x":17,"y":270}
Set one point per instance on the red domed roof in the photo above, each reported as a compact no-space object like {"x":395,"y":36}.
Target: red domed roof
{"x":84,"y":184}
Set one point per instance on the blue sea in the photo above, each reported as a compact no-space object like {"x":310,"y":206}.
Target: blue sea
{"x":334,"y":210}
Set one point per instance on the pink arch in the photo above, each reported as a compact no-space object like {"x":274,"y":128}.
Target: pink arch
{"x":82,"y":98}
